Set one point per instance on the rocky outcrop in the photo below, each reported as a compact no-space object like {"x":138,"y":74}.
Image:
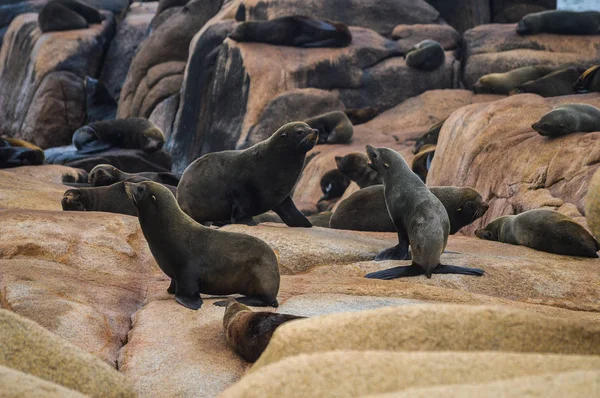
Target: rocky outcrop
{"x":463,"y":14}
{"x":17,"y":384}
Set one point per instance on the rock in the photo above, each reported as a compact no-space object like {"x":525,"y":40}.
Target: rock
{"x":463,"y":14}
{"x":361,"y":373}
{"x":17,"y":384}
{"x":130,"y":33}
{"x":29,"y":348}
{"x":515,"y":13}
{"x":44,"y":72}
{"x":474,"y":327}
{"x":9,"y":11}
{"x":380,"y":16}
{"x":16,"y":188}
{"x":592,"y":204}
{"x":42,"y":174}
{"x":407,"y":36}
{"x":497,"y":49}
{"x":164,"y":114}
{"x":530,"y":171}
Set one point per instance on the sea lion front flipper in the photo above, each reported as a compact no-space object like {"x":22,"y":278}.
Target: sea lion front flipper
{"x":188,"y":292}
{"x":290,"y":215}
{"x":452,"y":269}
{"x":172,"y":287}
{"x":398,"y":252}
{"x":397,"y":272}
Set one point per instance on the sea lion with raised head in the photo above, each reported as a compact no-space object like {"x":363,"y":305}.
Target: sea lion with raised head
{"x":429,"y":138}
{"x":420,"y":218}
{"x":249,"y":332}
{"x":233,"y":186}
{"x":297,"y":31}
{"x":130,"y":133}
{"x":105,"y":174}
{"x":544,"y":230}
{"x":504,"y":83}
{"x":588,"y":81}
{"x":333,"y":184}
{"x":560,"y":22}
{"x":334,"y":127}
{"x":427,"y":55}
{"x":568,"y":119}
{"x":59,"y":15}
{"x":199,"y":259}
{"x":554,"y":84}
{"x":355,"y":166}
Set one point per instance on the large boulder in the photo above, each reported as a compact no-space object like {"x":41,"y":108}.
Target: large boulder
{"x":17,"y":384}
{"x":463,"y":14}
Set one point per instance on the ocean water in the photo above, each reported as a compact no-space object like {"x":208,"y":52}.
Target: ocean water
{"x":578,"y":5}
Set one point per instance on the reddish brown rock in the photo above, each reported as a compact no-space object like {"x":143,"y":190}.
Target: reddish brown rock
{"x":408,"y":35}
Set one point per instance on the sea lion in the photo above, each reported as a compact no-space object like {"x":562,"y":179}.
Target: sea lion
{"x":430,"y":137}
{"x":99,"y":103}
{"x":427,"y":55}
{"x":297,"y":31}
{"x":234,"y":186}
{"x":560,"y":22}
{"x":334,"y":127}
{"x":59,"y":15}
{"x":131,"y":133}
{"x":333,"y":184}
{"x":248,"y":332}
{"x":200,"y":259}
{"x":588,"y":81}
{"x":544,"y":230}
{"x":82,"y":177}
{"x":419,"y":216}
{"x":355,"y":166}
{"x":567,"y":119}
{"x":15,"y":142}
{"x":365,"y":210}
{"x":361,"y":115}
{"x":422,"y":161}
{"x":105,"y":174}
{"x":554,"y":84}
{"x":25,"y":154}
{"x":504,"y":83}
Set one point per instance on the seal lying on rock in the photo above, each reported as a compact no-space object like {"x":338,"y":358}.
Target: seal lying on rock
{"x":333,"y":184}
{"x":554,"y":84}
{"x":588,"y":81}
{"x":355,"y":166}
{"x":429,"y":138}
{"x":200,"y":259}
{"x":59,"y":15}
{"x":105,"y":174}
{"x":568,"y":119}
{"x":248,"y":332}
{"x":234,"y":186}
{"x":420,"y":218}
{"x":15,"y":153}
{"x":297,"y":31}
{"x":560,"y":22}
{"x":504,"y":83}
{"x":427,"y":55}
{"x":544,"y":230}
{"x":334,"y":127}
{"x":361,"y":115}
{"x":131,"y":133}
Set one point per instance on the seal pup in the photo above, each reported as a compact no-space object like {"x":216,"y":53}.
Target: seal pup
{"x":334,"y":127}
{"x":554,"y":84}
{"x":200,"y":259}
{"x":130,"y":133}
{"x":248,"y":332}
{"x":420,"y":218}
{"x":361,"y":115}
{"x":355,"y":166}
{"x":544,"y":230}
{"x":297,"y":31}
{"x":106,"y":174}
{"x":504,"y":83}
{"x":333,"y":184}
{"x":422,"y":161}
{"x":427,"y":55}
{"x":560,"y":22}
{"x":568,"y":119}
{"x":59,"y":15}
{"x":429,"y":138}
{"x":588,"y":81}
{"x":234,"y":186}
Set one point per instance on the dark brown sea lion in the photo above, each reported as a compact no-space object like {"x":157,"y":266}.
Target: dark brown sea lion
{"x":544,"y":230}
{"x":234,"y":186}
{"x":200,"y":259}
{"x":568,"y":119}
{"x":361,"y":115}
{"x":82,"y":177}
{"x":21,"y":154}
{"x":422,"y":161}
{"x":355,"y":166}
{"x":248,"y":332}
{"x":588,"y":81}
{"x":333,"y":184}
{"x":430,"y":137}
{"x":298,"y":31}
{"x":560,"y":22}
{"x":554,"y":84}
{"x":504,"y":83}
{"x":427,"y":55}
{"x":105,"y":174}
{"x":334,"y":127}
{"x":59,"y":15}
{"x":420,"y":218}
{"x":131,"y":133}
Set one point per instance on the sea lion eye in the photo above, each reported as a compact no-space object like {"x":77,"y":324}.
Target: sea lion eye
{"x":459,"y":210}
{"x":386,"y":165}
{"x":153,"y":198}
{"x":283,"y":135}
{"x":299,"y":132}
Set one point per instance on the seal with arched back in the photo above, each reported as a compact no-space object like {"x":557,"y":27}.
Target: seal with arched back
{"x":234,"y":186}
{"x":59,"y":15}
{"x":199,"y":259}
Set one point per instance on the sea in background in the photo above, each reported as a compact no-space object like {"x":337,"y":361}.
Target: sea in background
{"x":578,"y":5}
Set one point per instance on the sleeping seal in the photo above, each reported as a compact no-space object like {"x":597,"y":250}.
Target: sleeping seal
{"x":568,"y":119}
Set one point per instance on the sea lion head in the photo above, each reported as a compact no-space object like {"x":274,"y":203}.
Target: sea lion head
{"x":150,"y":197}
{"x":295,"y":136}
{"x":470,"y":208}
{"x":103,"y":175}
{"x":381,"y":159}
{"x":525,"y":25}
{"x":83,"y":136}
{"x":153,"y":139}
{"x":233,"y":307}
{"x":18,"y":156}
{"x":486,"y":84}
{"x":74,"y":200}
{"x":351,"y":162}
{"x":556,"y":122}
{"x":492,"y":230}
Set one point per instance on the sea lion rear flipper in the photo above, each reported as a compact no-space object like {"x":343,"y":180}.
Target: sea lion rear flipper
{"x":451,"y":269}
{"x":193,"y":303}
{"x":397,"y":272}
{"x":398,"y":252}
{"x":290,"y":215}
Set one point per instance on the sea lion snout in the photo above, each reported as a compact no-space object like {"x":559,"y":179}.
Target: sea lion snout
{"x":71,"y":201}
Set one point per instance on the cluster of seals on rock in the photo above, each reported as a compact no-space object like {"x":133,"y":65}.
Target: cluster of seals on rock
{"x":99,"y":103}
{"x":199,"y":259}
{"x":15,"y":153}
{"x":589,"y":81}
{"x":427,"y":55}
{"x":361,"y":115}
{"x":334,"y":127}
{"x":105,"y":174}
{"x":355,"y":166}
{"x":333,"y":184}
{"x":234,"y":186}
{"x":554,"y":84}
{"x":420,"y":218}
{"x":544,"y":230}
{"x":365,"y":209}
{"x":560,"y":22}
{"x":59,"y":15}
{"x":248,"y":332}
{"x":429,"y":138}
{"x":504,"y":83}
{"x":297,"y":31}
{"x":130,"y":133}
{"x":568,"y":119}
{"x":421,"y":163}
